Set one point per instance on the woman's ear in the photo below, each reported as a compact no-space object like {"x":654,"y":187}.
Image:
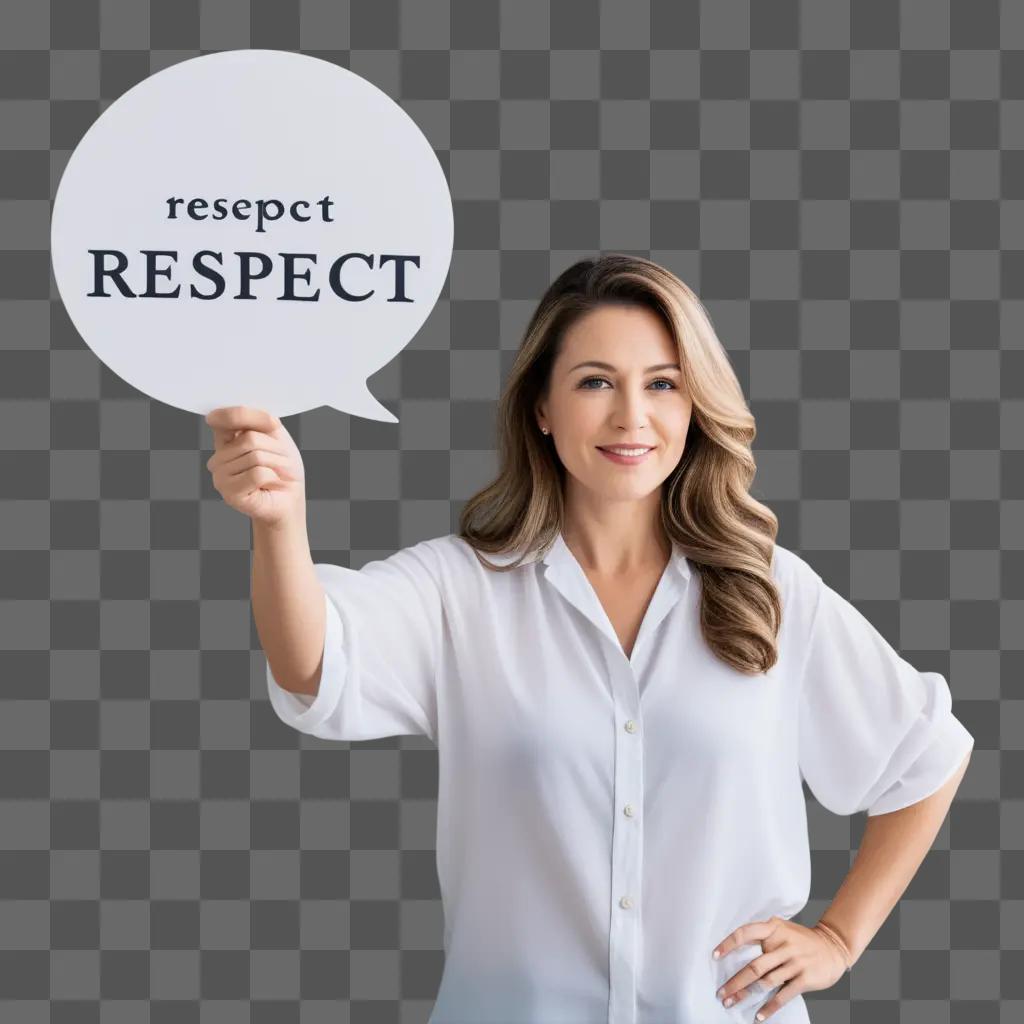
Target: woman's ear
{"x":538,"y":412}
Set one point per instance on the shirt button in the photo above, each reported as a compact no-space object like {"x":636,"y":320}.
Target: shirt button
{"x":625,"y":903}
{"x":630,"y":725}
{"x":628,"y":810}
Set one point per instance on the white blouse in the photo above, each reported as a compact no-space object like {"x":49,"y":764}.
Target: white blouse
{"x":604,"y":821}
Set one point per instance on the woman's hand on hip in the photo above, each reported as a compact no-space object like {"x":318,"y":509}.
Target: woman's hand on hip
{"x":795,"y":959}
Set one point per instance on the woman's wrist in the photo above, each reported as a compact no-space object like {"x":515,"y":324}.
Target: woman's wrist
{"x":838,"y":941}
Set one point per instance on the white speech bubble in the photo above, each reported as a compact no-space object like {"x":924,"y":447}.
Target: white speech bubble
{"x":256,"y":126}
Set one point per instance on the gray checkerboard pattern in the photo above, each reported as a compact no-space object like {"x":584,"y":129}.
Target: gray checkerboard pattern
{"x":841,"y":184}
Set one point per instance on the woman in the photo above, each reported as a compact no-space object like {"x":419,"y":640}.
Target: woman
{"x":627,"y":680}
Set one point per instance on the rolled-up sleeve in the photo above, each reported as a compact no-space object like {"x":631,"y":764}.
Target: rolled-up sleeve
{"x":381,"y":652}
{"x":875,"y":734}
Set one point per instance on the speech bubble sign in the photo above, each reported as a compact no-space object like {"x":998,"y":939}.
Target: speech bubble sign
{"x":252,"y":227}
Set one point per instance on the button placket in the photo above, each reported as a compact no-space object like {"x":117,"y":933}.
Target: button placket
{"x":625,"y":940}
{"x":627,"y":845}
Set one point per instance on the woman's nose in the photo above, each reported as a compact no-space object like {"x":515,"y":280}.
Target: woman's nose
{"x":630,"y":414}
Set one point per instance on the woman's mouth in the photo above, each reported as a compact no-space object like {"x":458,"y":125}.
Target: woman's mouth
{"x":626,"y":456}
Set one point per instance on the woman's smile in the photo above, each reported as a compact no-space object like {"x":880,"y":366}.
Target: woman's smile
{"x":618,"y":455}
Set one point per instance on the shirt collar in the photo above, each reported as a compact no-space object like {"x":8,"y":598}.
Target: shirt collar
{"x":564,"y":572}
{"x":560,"y":554}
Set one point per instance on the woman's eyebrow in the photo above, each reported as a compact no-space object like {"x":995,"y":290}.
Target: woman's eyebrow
{"x":608,"y":366}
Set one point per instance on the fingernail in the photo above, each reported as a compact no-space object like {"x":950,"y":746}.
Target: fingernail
{"x":720,"y":992}
{"x":759,"y":1016}
{"x":728,"y":1001}
{"x":715,"y":955}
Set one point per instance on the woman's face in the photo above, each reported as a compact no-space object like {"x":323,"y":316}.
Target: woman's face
{"x":637,"y":399}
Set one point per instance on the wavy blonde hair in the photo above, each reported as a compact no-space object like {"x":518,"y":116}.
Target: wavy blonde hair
{"x":706,"y":506}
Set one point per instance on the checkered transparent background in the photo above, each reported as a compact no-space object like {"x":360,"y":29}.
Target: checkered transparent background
{"x":840,"y":182}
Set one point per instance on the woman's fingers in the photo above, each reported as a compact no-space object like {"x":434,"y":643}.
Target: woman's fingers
{"x":247,"y":460}
{"x":256,"y":466}
{"x":754,"y":931}
{"x":227,"y":421}
{"x":255,"y":479}
{"x":759,"y":968}
{"x":243,"y":443}
{"x":785,"y":993}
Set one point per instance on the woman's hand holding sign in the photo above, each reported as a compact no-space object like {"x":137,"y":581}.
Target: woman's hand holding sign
{"x":258,"y":470}
{"x":257,"y":467}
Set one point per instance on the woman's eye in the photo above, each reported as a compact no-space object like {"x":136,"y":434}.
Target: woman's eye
{"x":659,"y":380}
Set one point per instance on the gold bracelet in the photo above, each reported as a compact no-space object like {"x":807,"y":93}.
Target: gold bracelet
{"x":837,"y":940}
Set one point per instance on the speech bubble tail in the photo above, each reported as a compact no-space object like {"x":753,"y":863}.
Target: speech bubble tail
{"x":362,"y":403}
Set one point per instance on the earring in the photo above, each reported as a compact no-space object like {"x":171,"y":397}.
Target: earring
{"x":544,"y":430}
